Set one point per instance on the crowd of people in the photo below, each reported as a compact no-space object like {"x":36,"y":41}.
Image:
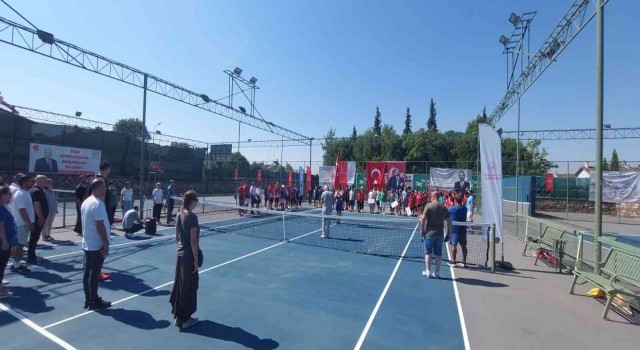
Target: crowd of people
{"x":276,"y":196}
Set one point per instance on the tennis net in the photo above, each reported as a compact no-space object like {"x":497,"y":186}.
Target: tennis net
{"x":380,"y":235}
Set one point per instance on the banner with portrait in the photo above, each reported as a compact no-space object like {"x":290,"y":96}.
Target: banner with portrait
{"x":326,"y":175}
{"x":63,"y":159}
{"x":450,"y":179}
{"x":395,"y":172}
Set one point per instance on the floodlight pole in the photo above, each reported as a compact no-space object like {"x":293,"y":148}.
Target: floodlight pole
{"x":142,"y":145}
{"x":599,"y":127}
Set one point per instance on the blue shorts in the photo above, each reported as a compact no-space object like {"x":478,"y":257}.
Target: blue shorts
{"x":458,"y":238}
{"x":433,"y":245}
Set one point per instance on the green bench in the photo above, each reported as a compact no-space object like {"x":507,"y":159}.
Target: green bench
{"x":541,"y":236}
{"x":619,"y":273}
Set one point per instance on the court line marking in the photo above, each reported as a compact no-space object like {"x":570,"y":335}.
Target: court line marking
{"x":37,"y":328}
{"x":384,"y":293}
{"x":151,"y":239}
{"x":171,"y":282}
{"x":463,"y":324}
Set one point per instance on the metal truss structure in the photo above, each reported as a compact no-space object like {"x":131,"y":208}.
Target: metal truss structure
{"x":63,"y":119}
{"x":43,"y":43}
{"x":572,"y":23}
{"x":575,"y":134}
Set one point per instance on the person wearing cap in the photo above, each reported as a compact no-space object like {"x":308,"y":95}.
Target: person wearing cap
{"x":327,"y":208}
{"x":21,"y":207}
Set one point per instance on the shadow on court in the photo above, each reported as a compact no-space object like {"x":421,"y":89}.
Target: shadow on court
{"x":237,"y":335}
{"x":480,"y":283}
{"x":28,"y":300}
{"x":135,"y":318}
{"x":131,"y":284}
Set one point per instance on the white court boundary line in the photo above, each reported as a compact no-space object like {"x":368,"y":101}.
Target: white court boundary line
{"x":37,"y":328}
{"x":151,"y":239}
{"x":463,"y":324}
{"x":171,"y":282}
{"x":384,"y":293}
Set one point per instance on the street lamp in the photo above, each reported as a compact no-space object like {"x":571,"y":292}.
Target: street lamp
{"x":514,"y":19}
{"x":78,"y":114}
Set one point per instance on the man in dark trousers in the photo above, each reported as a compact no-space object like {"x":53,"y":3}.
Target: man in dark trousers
{"x":81,"y":191}
{"x":105,"y":171}
{"x":41,"y":209}
{"x":171,"y":192}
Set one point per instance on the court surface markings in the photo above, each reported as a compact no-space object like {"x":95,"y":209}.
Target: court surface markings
{"x":36,"y":328}
{"x":171,"y":282}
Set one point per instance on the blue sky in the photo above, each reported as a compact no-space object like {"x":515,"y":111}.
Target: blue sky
{"x":328,"y":64}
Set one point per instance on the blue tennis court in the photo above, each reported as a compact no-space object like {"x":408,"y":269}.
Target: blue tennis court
{"x":254,"y":293}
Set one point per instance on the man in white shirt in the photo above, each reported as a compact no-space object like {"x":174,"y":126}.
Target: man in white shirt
{"x":96,"y":230}
{"x":126,"y":197}
{"x":21,"y":207}
{"x":158,"y":197}
{"x":254,"y":196}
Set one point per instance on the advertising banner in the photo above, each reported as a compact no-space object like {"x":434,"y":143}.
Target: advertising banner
{"x":450,"y":179}
{"x":361,"y":181}
{"x":326,"y":175}
{"x":420,"y":182}
{"x":617,"y":187}
{"x":408,"y":180}
{"x":308,"y":178}
{"x":63,"y":159}
{"x":491,"y":170}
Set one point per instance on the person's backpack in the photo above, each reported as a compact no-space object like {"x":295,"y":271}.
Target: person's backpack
{"x":150,"y":227}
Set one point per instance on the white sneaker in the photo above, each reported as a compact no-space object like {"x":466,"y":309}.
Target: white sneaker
{"x":433,"y":275}
{"x":452,"y":264}
{"x":321,"y":236}
{"x":188,"y":323}
{"x":426,"y":273}
{"x":436,"y":275}
{"x":461,"y":265}
{"x":5,"y":282}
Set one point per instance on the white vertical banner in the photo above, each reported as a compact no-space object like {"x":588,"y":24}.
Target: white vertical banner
{"x":491,"y":171}
{"x":351,"y":173}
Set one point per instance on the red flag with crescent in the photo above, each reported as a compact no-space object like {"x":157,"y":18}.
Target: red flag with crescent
{"x":259,"y":175}
{"x":336,"y":180}
{"x":308,"y":178}
{"x":375,"y":174}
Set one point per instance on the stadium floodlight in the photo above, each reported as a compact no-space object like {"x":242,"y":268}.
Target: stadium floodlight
{"x":514,"y":19}
{"x":253,"y":80}
{"x":249,"y":140}
{"x":46,"y":37}
{"x":504,"y":40}
{"x":205,"y":98}
{"x":242,"y":109}
{"x":607,"y":126}
{"x":78,"y":114}
{"x":237,"y":71}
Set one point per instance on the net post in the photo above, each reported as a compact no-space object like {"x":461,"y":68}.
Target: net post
{"x":64,"y":213}
{"x":284,"y":227}
{"x":492,"y":249}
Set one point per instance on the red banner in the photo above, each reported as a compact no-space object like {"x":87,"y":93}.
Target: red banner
{"x":259,"y":175}
{"x":308,"y":178}
{"x":235,"y":174}
{"x":548,"y":185}
{"x":290,"y":180}
{"x":342,"y":173}
{"x":375,"y":174}
{"x":394,"y":177}
{"x":155,"y":166}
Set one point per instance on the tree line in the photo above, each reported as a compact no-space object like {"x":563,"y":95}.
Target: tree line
{"x":429,"y":147}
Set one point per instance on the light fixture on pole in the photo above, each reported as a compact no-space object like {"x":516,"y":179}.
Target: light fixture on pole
{"x":253,"y":80}
{"x":237,"y":71}
{"x":514,"y":19}
{"x":504,"y":40}
{"x":78,"y":114}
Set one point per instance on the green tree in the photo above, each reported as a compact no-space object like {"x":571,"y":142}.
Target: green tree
{"x":354,"y":133}
{"x":131,"y":127}
{"x":180,"y":145}
{"x":605,"y":164}
{"x":407,"y":123}
{"x":615,"y":163}
{"x":432,"y":125}
{"x":391,"y":144}
{"x":377,"y":122}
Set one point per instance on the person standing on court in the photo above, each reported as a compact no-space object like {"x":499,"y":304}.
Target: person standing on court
{"x":53,"y":211}
{"x":8,"y":237}
{"x":326,"y":200}
{"x":126,"y":198}
{"x":458,"y":213}
{"x":171,"y":192}
{"x":434,"y":215}
{"x":95,"y":242}
{"x":80,"y":195}
{"x":105,"y":171}
{"x":158,"y":197}
{"x":41,"y":209}
{"x":21,"y":207}
{"x":184,"y":295}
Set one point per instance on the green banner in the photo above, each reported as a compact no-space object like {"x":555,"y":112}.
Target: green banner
{"x":361,"y":180}
{"x":420,"y":182}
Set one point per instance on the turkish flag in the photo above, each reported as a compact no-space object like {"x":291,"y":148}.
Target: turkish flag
{"x":375,"y":174}
{"x":259,"y":175}
{"x":309,"y":178}
{"x":290,"y":180}
{"x":336,"y":178}
{"x":235,"y":174}
{"x":548,"y":184}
